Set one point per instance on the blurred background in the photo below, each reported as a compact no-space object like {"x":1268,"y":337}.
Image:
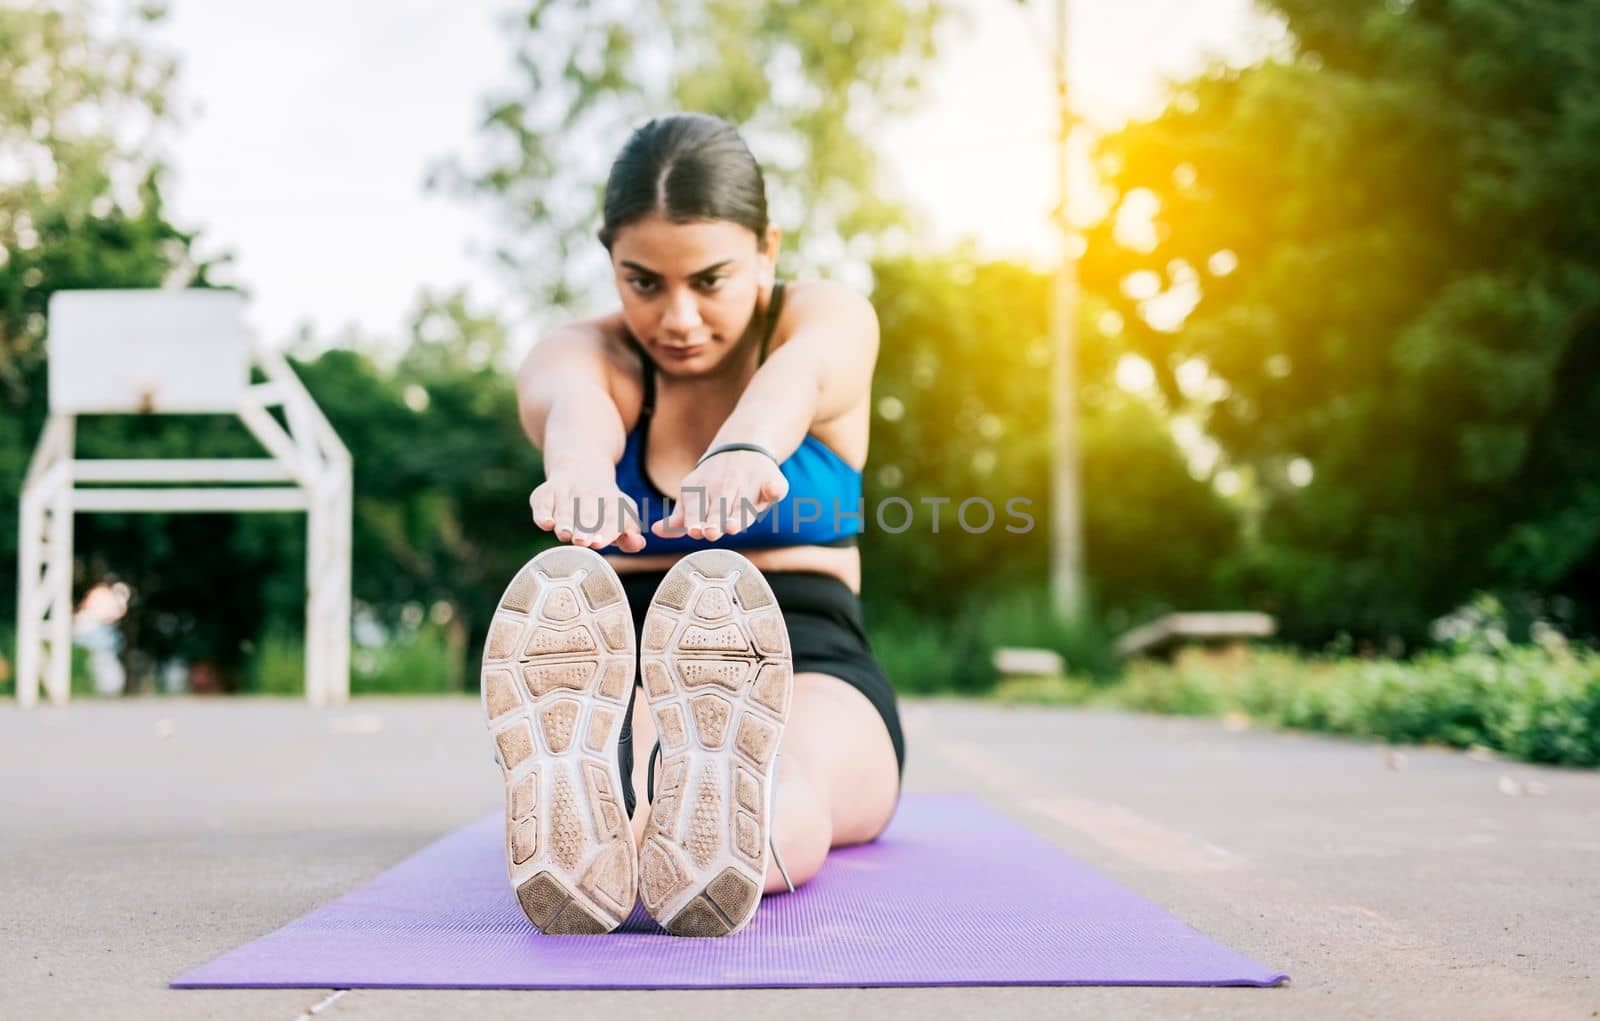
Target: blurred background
{"x":1337,"y":356}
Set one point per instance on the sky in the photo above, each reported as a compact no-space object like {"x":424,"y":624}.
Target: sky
{"x":307,"y":129}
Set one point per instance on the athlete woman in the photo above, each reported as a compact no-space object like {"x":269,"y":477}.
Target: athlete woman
{"x":705,"y":443}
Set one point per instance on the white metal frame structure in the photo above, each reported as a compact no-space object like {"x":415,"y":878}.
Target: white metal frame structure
{"x":176,"y":352}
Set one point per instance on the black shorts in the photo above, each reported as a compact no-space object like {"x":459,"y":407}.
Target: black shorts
{"x":826,"y":635}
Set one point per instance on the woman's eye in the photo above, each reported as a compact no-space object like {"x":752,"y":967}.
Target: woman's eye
{"x":711,"y":283}
{"x":642,"y":284}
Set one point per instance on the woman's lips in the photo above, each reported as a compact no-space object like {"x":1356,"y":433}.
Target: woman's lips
{"x":683,"y":352}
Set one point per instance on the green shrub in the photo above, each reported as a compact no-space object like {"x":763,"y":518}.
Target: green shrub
{"x":1538,"y":702}
{"x":82,"y":680}
{"x":927,"y":655}
{"x":420,"y":661}
{"x":277,"y":666}
{"x":1041,"y":690}
{"x":8,"y":661}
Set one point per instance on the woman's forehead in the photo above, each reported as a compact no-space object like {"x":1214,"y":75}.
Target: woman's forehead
{"x":681,"y":249}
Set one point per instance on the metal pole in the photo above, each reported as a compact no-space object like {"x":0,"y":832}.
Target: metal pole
{"x":1066,"y":524}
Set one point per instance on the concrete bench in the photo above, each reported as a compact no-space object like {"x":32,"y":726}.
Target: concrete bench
{"x":1028,"y":663}
{"x":1163,"y":636}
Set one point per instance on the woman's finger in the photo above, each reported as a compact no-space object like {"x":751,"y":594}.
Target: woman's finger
{"x":631,"y":537}
{"x":563,"y":513}
{"x":738,"y":514}
{"x":589,"y":525}
{"x":713,"y":522}
{"x":670,"y":525}
{"x":631,"y":542}
{"x":619,"y":518}
{"x":541,"y":502}
{"x":774,"y":489}
{"x":692,"y":506}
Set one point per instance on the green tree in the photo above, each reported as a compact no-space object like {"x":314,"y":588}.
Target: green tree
{"x":959,"y":412}
{"x":442,"y":468}
{"x":1389,"y":232}
{"x":80,"y":206}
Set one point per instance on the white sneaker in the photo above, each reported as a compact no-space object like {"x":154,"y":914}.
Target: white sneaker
{"x":558,"y":667}
{"x":718,"y":676}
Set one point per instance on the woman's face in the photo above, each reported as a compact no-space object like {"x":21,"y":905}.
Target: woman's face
{"x":689,"y":289}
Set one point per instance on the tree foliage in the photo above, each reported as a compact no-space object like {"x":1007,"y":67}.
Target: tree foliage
{"x":1390,"y":235}
{"x":1386,"y":235}
{"x":442,"y":468}
{"x":806,"y":81}
{"x":959,"y":414}
{"x":80,"y":204}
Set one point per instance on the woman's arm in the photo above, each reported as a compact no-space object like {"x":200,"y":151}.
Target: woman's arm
{"x":564,"y":400}
{"x":565,"y":405}
{"x":822,"y":371}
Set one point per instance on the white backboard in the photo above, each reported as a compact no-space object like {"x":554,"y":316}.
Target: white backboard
{"x":178,"y":352}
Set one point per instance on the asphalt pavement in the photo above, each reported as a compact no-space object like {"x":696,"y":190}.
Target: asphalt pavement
{"x":142,"y":837}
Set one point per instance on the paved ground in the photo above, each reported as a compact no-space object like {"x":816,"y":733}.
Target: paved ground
{"x":142,"y":838}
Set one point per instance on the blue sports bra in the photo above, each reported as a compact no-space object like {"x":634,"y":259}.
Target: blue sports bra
{"x":822,"y":508}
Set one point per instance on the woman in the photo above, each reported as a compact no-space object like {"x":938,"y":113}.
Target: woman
{"x":741,"y":404}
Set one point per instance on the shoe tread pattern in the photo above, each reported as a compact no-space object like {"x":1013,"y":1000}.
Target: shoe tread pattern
{"x":718,"y":677}
{"x":556,"y":664}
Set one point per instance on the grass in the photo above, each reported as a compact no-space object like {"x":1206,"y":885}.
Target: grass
{"x":422,"y":661}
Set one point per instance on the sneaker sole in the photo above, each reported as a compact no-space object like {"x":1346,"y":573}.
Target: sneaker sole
{"x":557,"y":668}
{"x":718,"y":676}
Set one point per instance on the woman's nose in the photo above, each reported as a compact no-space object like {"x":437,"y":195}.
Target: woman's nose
{"x":683,"y":311}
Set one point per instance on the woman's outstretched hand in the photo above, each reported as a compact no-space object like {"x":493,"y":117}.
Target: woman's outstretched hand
{"x":588,"y":510}
{"x":712,"y":499}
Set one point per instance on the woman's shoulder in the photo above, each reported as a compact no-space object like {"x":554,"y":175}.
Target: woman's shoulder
{"x":849,"y":323}
{"x":806,"y":301}
{"x":599,"y":344}
{"x":602,"y":341}
{"x":821,"y":294}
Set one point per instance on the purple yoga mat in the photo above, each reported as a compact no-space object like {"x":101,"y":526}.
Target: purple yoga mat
{"x":951,"y":894}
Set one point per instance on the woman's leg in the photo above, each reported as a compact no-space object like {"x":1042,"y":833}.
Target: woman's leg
{"x":838,"y":780}
{"x":842,"y":747}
